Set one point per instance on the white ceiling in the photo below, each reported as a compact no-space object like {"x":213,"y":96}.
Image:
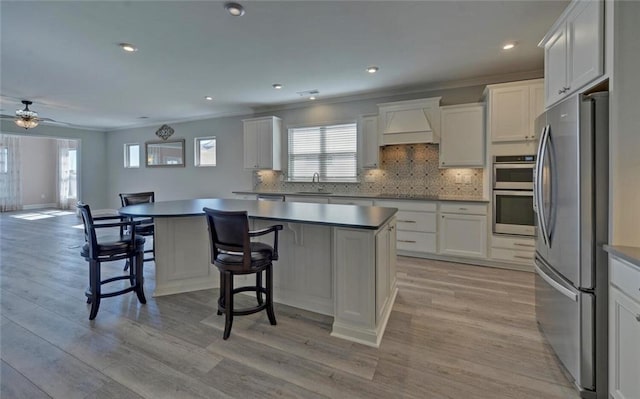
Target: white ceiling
{"x":64,"y":55}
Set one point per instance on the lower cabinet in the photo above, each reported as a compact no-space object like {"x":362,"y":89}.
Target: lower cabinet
{"x":519,"y":250}
{"x":624,"y":331}
{"x":384,"y":261}
{"x":309,"y":199}
{"x":463,"y":235}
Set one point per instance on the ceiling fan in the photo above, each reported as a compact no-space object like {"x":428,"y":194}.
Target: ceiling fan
{"x":29,"y":119}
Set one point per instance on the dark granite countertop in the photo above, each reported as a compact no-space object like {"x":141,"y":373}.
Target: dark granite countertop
{"x":351,"y":216}
{"x":389,"y":196}
{"x":630,"y":254}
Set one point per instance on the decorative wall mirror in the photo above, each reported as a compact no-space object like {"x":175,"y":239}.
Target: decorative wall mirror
{"x":164,"y":153}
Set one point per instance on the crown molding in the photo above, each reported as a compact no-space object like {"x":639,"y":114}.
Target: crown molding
{"x":405,"y":90}
{"x":247,"y":113}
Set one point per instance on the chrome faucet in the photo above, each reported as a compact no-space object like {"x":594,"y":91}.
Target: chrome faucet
{"x":313,"y":179}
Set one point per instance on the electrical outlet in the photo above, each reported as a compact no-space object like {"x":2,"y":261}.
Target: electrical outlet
{"x":369,"y":179}
{"x":43,"y":196}
{"x":467,"y":179}
{"x":458,"y":179}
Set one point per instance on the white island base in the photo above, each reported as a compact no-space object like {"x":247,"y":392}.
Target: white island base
{"x":347,"y":273}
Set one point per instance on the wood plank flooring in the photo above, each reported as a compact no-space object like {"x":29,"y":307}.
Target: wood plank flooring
{"x":456,"y":331}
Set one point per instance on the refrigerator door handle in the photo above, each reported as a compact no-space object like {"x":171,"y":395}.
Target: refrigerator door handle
{"x":537,"y":192}
{"x":556,"y":285}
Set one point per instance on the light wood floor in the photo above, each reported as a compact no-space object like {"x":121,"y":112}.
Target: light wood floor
{"x":456,"y":331}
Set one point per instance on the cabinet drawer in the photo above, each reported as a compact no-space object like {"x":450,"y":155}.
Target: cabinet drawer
{"x":417,"y":242}
{"x":417,"y":221}
{"x":408,"y":205}
{"x":626,"y":277}
{"x":511,"y":255}
{"x":464,"y":208}
{"x":520,"y":244}
{"x":314,"y":199}
{"x":351,"y":201}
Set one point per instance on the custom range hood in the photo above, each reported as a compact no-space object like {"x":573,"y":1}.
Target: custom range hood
{"x":408,"y":122}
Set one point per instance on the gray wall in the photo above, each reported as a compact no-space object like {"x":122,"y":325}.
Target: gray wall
{"x":181,"y":182}
{"x":38,"y":163}
{"x":229,"y":174}
{"x":92,"y":162}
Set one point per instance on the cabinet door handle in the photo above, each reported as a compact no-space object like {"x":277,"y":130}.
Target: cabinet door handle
{"x":406,"y":221}
{"x":523,"y":257}
{"x":409,"y":241}
{"x":567,"y":88}
{"x":519,"y":244}
{"x":560,"y":91}
{"x":462,"y":209}
{"x":638,"y":317}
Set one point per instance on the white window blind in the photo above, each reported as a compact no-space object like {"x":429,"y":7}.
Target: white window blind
{"x":330,"y":151}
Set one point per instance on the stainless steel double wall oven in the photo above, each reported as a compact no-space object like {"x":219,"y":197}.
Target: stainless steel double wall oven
{"x":513,"y":195}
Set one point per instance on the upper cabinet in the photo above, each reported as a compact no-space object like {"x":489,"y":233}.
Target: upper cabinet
{"x":409,"y":122}
{"x":369,"y":139}
{"x":262,"y":143}
{"x":513,"y":109}
{"x":462,"y":136}
{"x":574,"y":50}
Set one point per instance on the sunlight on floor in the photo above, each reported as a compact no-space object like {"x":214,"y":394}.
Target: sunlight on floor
{"x":36,"y":215}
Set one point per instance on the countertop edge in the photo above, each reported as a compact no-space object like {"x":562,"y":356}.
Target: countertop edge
{"x":361,"y":195}
{"x":630,"y":254}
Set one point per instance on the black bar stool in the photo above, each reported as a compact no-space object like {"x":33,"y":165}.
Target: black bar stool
{"x":233,"y":253}
{"x":145,"y":227}
{"x":97,"y":250}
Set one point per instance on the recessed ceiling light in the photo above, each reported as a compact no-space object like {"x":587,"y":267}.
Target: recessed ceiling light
{"x":277,"y":86}
{"x":208,"y":98}
{"x":130,"y":48}
{"x":234,"y":9}
{"x":372,"y":69}
{"x":509,"y":46}
{"x":312,"y":98}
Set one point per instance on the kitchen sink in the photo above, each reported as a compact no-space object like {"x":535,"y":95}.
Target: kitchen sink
{"x":313,"y":192}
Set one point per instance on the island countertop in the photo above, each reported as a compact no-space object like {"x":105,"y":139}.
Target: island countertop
{"x":350,"y":216}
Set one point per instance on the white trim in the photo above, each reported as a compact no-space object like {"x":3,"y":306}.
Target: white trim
{"x":39,"y":206}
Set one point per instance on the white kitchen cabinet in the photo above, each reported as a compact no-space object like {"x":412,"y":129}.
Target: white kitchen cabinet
{"x":574,"y":49}
{"x":519,"y":250}
{"x":310,"y":199}
{"x":262,"y":138}
{"x":624,"y":330}
{"x":351,"y":201}
{"x":513,"y":108}
{"x":416,"y":222}
{"x":462,"y":136}
{"x":383,"y":267}
{"x":369,"y":138}
{"x":412,"y":121}
{"x":462,"y":230}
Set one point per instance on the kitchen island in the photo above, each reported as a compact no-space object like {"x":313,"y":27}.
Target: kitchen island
{"x":338,"y":260}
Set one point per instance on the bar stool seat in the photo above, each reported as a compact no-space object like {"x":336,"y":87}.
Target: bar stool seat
{"x":233,"y":253}
{"x":109,"y":248}
{"x":145,"y":227}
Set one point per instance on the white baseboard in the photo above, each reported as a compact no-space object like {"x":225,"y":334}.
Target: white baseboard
{"x":39,"y":206}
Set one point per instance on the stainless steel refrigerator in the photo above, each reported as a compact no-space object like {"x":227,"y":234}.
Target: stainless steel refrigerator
{"x":571,"y":204}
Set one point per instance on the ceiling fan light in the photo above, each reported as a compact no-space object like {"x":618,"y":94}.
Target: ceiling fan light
{"x":27,"y":123}
{"x":26,"y":118}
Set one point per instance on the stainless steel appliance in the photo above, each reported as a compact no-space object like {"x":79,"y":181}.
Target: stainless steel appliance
{"x":571,"y":204}
{"x":513,"y":195}
{"x":513,"y":212}
{"x":513,"y":172}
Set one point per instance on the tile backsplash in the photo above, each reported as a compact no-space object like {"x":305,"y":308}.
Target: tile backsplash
{"x":404,"y":169}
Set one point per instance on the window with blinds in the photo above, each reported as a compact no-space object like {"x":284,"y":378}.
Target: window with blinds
{"x":330,"y":151}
